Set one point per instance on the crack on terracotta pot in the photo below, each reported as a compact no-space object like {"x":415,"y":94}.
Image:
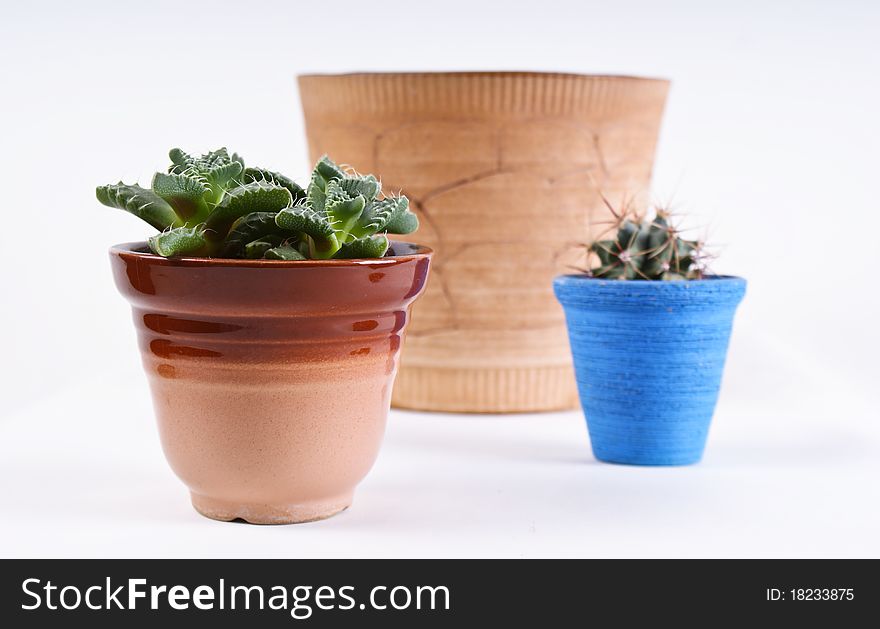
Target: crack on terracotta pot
{"x":437,"y":271}
{"x":452,"y":308}
{"x":575,"y":171}
{"x":464,"y":182}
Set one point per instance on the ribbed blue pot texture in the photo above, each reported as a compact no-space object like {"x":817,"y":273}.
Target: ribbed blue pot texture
{"x":648,"y":356}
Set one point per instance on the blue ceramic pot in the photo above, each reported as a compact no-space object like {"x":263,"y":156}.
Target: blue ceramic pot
{"x":648,"y":356}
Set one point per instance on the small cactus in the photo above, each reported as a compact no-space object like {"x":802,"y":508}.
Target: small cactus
{"x":646,"y":249}
{"x":213,"y":206}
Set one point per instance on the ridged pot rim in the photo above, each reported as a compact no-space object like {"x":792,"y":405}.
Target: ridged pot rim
{"x":136,"y":250}
{"x":572,"y":279}
{"x":593,"y":292}
{"x":483,"y":74}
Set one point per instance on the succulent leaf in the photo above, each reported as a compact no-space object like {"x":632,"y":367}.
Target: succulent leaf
{"x":341,"y":208}
{"x":253,"y":226}
{"x":323,"y":240}
{"x":256,"y":196}
{"x":284,"y":252}
{"x":403,"y":223}
{"x":179,"y":241}
{"x":315,"y":195}
{"x":180,"y":161}
{"x":143,"y":203}
{"x":369,"y":247}
{"x":367,"y":186}
{"x":391,"y":214}
{"x":261,"y":174}
{"x":219,"y":178}
{"x":328,"y":170}
{"x":257,"y":249}
{"x":185,"y":193}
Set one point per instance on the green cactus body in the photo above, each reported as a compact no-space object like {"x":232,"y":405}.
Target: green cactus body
{"x":646,"y":249}
{"x":214,"y":206}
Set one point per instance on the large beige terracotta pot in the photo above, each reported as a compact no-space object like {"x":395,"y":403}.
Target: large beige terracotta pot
{"x":504,"y":171}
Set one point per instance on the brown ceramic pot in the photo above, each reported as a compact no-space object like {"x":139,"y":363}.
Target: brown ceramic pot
{"x":271,"y":380}
{"x":504,"y":171}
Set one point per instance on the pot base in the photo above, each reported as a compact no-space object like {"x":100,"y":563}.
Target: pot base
{"x":259,"y":513}
{"x":649,"y":459}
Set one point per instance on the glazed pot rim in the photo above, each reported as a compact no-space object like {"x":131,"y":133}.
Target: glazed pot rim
{"x":484,"y":73}
{"x":136,"y":249}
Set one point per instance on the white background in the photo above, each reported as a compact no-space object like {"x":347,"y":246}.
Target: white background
{"x":770,"y":141}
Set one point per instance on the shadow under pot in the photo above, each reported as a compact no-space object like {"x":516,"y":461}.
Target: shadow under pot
{"x":271,"y":380}
{"x":648,"y":358}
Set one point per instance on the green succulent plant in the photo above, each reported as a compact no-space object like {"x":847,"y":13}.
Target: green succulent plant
{"x":646,"y":249}
{"x":214,"y":206}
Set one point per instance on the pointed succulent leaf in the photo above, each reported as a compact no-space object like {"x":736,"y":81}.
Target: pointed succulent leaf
{"x":323,"y":242}
{"x":179,"y":241}
{"x":374,"y":218}
{"x":341,"y":208}
{"x":180,"y":161}
{"x":219,"y":178}
{"x":256,"y":249}
{"x":212,"y":159}
{"x":186,"y":194}
{"x":404,"y":222}
{"x":261,"y":174}
{"x":284,"y":252}
{"x":316,"y":198}
{"x":369,"y":247}
{"x":367,"y":186}
{"x":256,"y":196}
{"x":391,"y":214}
{"x":327,"y":170}
{"x":253,"y":226}
{"x":143,"y":203}
{"x":184,"y":163}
